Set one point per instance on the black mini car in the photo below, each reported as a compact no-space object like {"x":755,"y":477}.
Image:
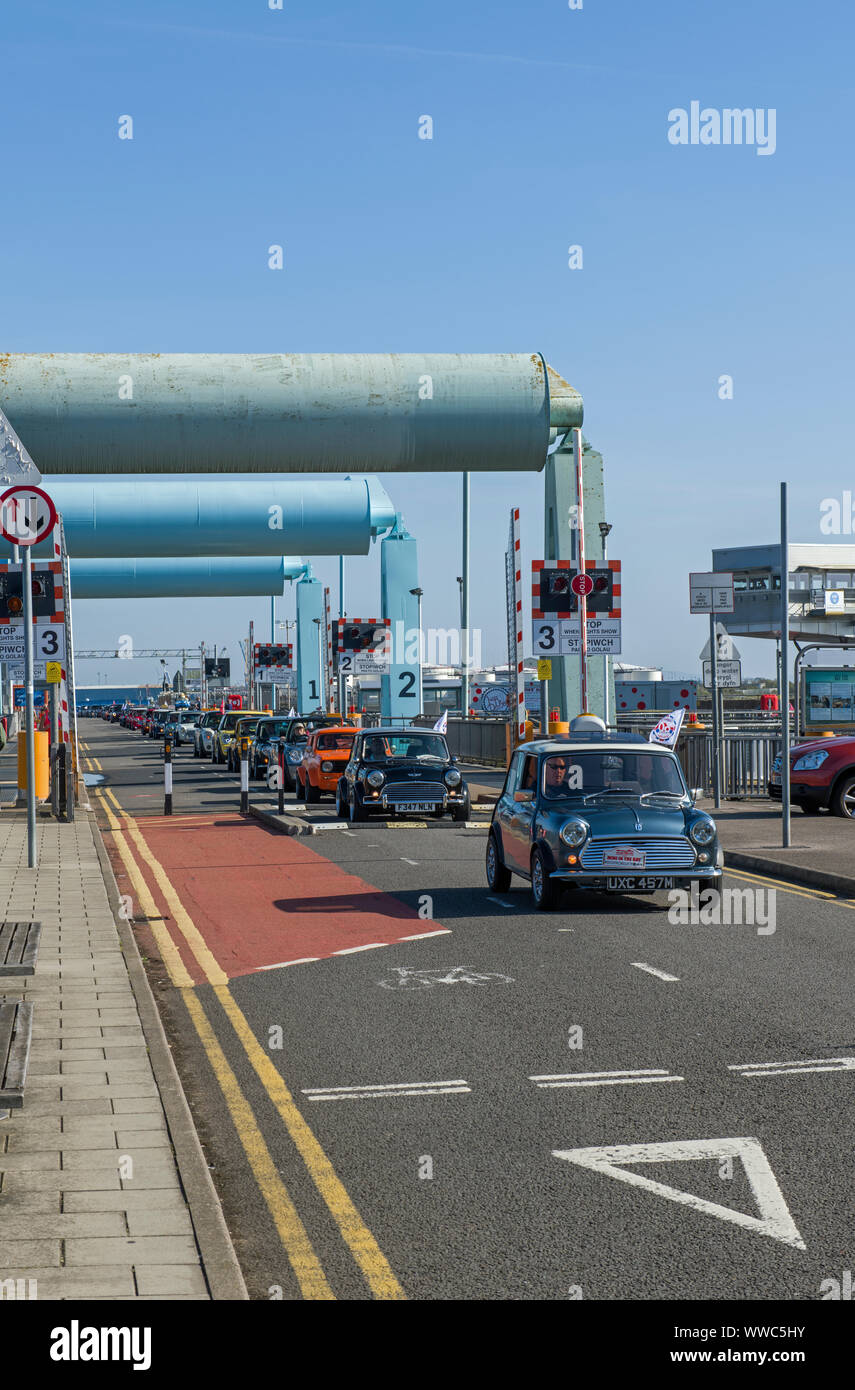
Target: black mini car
{"x":402,"y":771}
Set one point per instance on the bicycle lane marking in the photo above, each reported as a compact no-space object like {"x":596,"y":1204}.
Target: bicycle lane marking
{"x":353,"y":1230}
{"x":261,"y":901}
{"x":307,"y":1268}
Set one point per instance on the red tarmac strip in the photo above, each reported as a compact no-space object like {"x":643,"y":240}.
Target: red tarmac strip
{"x":262,"y":899}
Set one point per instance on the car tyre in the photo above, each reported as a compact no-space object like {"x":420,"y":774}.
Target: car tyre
{"x":299,"y":791}
{"x":340,"y":803}
{"x":461,"y":813}
{"x":843,"y":798}
{"x":355,"y":808}
{"x":543,"y":888}
{"x":498,"y":877}
{"x":310,"y":791}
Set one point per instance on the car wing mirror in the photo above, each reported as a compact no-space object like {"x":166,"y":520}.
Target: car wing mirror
{"x":524,"y":796}
{"x":696,"y":793}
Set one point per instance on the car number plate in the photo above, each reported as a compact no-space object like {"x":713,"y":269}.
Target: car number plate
{"x":627,"y":885}
{"x":415,"y":806}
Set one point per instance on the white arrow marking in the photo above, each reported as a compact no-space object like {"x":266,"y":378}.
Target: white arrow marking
{"x":660,"y":974}
{"x":775,"y":1220}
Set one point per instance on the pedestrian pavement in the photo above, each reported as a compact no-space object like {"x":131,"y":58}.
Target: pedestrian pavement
{"x":104,"y":1190}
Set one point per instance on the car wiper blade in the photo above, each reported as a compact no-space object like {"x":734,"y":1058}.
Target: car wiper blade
{"x":613,"y":791}
{"x":673,"y":796}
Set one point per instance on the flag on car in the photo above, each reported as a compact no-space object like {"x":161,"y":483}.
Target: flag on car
{"x":668,"y":729}
{"x":441,"y":725}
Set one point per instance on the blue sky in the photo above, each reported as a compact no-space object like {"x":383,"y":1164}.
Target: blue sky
{"x":300,"y":127}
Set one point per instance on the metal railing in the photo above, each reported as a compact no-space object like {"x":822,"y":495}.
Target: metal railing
{"x":746,"y":761}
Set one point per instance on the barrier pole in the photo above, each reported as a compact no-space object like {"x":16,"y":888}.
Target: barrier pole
{"x":244,"y":775}
{"x":281,"y":778}
{"x":167,"y":777}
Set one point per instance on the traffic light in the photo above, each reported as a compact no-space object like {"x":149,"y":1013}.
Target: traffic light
{"x":12,"y":594}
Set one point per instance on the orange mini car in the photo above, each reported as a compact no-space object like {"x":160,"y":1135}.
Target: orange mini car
{"x":326,"y":753}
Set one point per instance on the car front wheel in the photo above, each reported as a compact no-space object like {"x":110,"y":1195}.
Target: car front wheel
{"x":543,"y":888}
{"x":843,"y":798}
{"x":340,"y":803}
{"x":310,"y":791}
{"x":498,"y":877}
{"x":356,"y":810}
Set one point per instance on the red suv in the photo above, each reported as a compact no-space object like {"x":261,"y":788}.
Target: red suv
{"x":822,"y":775}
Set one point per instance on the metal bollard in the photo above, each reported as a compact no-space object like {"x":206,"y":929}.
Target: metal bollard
{"x":244,"y":775}
{"x":167,"y":777}
{"x":281,"y":787}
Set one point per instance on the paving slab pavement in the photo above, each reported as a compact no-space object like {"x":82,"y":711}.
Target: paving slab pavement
{"x":104,"y":1189}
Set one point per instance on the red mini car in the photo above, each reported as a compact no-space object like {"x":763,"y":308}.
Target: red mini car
{"x":822,"y":776}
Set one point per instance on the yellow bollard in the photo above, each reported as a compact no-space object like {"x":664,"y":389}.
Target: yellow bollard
{"x":559,"y":726}
{"x":42,"y":760}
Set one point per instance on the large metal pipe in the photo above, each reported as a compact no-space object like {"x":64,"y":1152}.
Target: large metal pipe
{"x":199,"y":577}
{"x":290,"y":412}
{"x":120,"y":518}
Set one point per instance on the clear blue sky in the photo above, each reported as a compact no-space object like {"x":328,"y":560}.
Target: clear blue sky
{"x":254,"y":126}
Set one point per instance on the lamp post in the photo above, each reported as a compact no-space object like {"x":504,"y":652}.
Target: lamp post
{"x":417,"y":594}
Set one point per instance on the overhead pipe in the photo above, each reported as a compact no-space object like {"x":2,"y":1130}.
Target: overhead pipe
{"x":122,"y":518}
{"x":289,"y":412}
{"x":197,"y":577}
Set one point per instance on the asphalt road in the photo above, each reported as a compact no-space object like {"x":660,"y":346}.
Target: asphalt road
{"x":469,"y":1038}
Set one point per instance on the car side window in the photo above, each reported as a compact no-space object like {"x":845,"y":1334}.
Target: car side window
{"x":528,"y":781}
{"x":513,"y":777}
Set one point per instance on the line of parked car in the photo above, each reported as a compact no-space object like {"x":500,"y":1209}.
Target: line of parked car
{"x":390,"y":770}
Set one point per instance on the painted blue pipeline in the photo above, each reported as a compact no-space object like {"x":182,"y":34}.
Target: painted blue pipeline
{"x":198,"y":577}
{"x":119,"y":518}
{"x":290,"y":412}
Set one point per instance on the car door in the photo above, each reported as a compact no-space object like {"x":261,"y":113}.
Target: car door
{"x":505,"y":807}
{"x":520,"y":816}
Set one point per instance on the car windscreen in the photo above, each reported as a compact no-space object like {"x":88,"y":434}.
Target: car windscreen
{"x":418,"y":747}
{"x":612,"y":772}
{"x":228,"y":721}
{"x":334,"y":742}
{"x":247,"y":727}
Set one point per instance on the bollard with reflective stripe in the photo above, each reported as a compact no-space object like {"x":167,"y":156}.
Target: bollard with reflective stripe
{"x":281,"y":779}
{"x":244,"y":774}
{"x":167,"y":777}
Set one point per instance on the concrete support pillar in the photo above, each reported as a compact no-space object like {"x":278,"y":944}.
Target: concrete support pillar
{"x":400,"y":691}
{"x":310,"y":605}
{"x":560,"y":537}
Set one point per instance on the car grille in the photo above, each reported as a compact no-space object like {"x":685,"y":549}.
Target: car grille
{"x":413,"y":791}
{"x":674,"y":853}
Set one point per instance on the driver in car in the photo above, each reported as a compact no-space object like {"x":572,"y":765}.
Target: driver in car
{"x":557,"y":776}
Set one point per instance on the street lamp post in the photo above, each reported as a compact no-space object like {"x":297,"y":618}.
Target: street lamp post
{"x":417,"y":594}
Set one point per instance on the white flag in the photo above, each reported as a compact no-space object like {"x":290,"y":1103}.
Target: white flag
{"x":441,"y":725}
{"x":668,"y":729}
{"x":291,"y":712}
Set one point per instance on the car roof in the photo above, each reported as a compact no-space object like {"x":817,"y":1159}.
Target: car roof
{"x":410,"y":729}
{"x":628,"y":743}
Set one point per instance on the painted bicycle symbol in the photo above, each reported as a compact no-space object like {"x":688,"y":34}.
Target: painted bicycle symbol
{"x":408,"y":978}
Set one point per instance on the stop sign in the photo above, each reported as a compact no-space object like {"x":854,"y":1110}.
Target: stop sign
{"x":582,"y":584}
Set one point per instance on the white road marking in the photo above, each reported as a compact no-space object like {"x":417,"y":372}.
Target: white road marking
{"x":794,"y":1068}
{"x":414,"y":862}
{"x":570,"y":929}
{"x":775,"y":1220}
{"x":388,"y":1089}
{"x":304,"y":960}
{"x":349,"y":832}
{"x":371,"y":946}
{"x":660,"y":974}
{"x":423,"y":935}
{"x":499,"y":901}
{"x":602,"y":1078}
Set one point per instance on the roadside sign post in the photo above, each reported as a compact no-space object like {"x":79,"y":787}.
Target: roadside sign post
{"x":712,"y":593}
{"x":716,"y":733}
{"x":167,"y":777}
{"x":785,"y":676}
{"x":27,"y":515}
{"x":585,"y":584}
{"x":280,"y":780}
{"x":244,"y":776}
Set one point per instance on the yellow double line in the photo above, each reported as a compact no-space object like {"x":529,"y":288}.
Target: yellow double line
{"x":305,"y":1263}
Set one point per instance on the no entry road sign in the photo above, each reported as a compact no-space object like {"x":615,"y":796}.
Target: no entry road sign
{"x":27,"y":515}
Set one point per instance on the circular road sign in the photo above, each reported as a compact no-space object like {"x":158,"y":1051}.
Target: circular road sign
{"x":581,"y":584}
{"x":27,"y":515}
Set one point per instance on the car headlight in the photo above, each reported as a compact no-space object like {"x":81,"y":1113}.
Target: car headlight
{"x":327,"y":767}
{"x":294,"y":755}
{"x":809,"y":761}
{"x":573,"y":832}
{"x":452,"y":777}
{"x":702,"y":831}
{"x":376,"y":778}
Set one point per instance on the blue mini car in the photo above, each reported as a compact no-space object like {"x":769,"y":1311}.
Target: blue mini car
{"x":599,"y":810}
